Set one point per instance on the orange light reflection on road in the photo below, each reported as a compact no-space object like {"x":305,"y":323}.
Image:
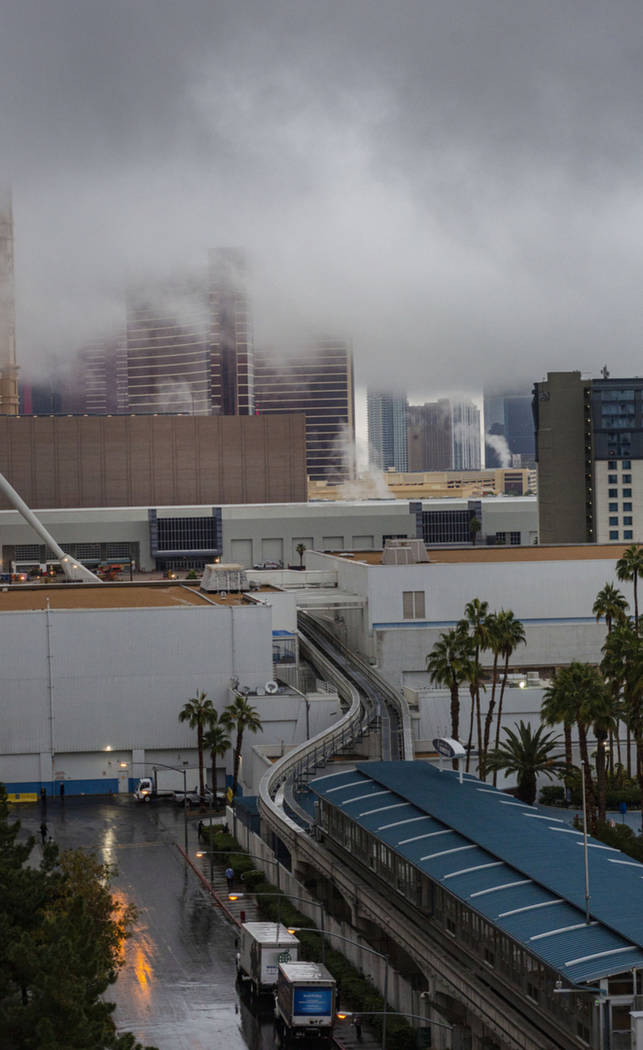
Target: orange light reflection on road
{"x":137,"y":952}
{"x":142,"y":969}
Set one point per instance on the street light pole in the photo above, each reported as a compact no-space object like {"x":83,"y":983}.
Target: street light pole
{"x":585,"y":849}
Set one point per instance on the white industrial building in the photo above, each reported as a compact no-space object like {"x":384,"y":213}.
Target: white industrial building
{"x":186,"y":537}
{"x":401,"y":610}
{"x":94,"y":677}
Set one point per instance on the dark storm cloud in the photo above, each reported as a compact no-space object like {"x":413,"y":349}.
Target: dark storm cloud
{"x":456,"y":185}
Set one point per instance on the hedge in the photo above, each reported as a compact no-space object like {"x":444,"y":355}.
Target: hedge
{"x":355,"y":991}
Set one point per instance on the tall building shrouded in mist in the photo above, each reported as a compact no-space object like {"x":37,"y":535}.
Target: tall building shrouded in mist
{"x":168,"y":350}
{"x":465,"y":426}
{"x":231,"y":353}
{"x":509,"y":422}
{"x":189,"y":345}
{"x":387,"y":431}
{"x":8,"y":368}
{"x":103,"y":366}
{"x":319,"y":382}
{"x":444,"y":435}
{"x":430,"y":436}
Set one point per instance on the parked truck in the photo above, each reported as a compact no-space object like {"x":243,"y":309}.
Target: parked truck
{"x":165,"y":783}
{"x":305,"y":1002}
{"x":262,"y":947}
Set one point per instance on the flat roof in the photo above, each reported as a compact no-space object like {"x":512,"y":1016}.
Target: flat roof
{"x":482,"y":555}
{"x":107,"y":596}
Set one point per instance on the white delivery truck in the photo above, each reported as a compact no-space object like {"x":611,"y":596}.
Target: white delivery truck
{"x":305,"y":1002}
{"x":165,"y":783}
{"x":262,"y":946}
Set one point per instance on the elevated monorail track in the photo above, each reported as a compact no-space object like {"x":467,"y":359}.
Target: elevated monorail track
{"x":385,"y":709}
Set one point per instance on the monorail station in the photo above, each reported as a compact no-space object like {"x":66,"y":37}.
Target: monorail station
{"x":489,"y":897}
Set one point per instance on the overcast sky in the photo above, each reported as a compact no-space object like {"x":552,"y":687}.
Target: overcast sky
{"x":454,"y":186}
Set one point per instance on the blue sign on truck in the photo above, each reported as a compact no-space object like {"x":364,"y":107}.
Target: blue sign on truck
{"x":312,"y":1001}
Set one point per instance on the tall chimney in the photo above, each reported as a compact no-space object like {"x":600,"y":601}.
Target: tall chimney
{"x":8,"y":368}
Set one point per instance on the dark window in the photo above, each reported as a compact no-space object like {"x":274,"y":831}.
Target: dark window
{"x":514,"y":539}
{"x":501,"y":537}
{"x":614,"y":521}
{"x":612,"y":479}
{"x":627,"y":520}
{"x":627,"y":535}
{"x":626,"y":506}
{"x":627,"y":493}
{"x":627,"y":479}
{"x":626,"y":464}
{"x":613,"y":506}
{"x":446,"y":526}
{"x":612,"y":493}
{"x":187,"y":534}
{"x":614,"y":534}
{"x":29,"y":551}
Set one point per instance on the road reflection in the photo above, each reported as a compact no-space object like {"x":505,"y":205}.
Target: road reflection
{"x":257,"y":1020}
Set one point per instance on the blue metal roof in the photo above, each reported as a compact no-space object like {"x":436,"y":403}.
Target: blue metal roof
{"x":520,"y":868}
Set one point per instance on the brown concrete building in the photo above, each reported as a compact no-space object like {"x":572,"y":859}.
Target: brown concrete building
{"x":125,"y":461}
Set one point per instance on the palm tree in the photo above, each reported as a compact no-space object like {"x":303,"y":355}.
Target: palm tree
{"x":198,"y":712}
{"x":475,"y":617}
{"x":494,"y":644}
{"x":629,"y":567}
{"x":217,"y":742}
{"x":578,"y":695}
{"x":448,"y":665}
{"x":301,"y":550}
{"x":512,"y":634}
{"x":239,"y":716}
{"x":611,"y":604}
{"x":528,"y":753}
{"x":474,"y":529}
{"x":623,"y":668}
{"x":559,"y":705}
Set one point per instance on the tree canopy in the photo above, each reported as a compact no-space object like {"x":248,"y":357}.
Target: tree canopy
{"x":62,"y":933}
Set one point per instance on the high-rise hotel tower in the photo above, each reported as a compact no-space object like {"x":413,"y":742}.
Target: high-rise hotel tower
{"x":8,"y":368}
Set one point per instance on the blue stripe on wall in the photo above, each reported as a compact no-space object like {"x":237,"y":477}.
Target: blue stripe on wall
{"x":99,"y":786}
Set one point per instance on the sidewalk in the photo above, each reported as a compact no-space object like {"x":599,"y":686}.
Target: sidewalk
{"x":346,"y":1037}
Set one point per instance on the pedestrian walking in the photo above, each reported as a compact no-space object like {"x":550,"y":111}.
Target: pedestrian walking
{"x":357,"y":1024}
{"x":199,"y":830}
{"x":43,"y":832}
{"x":62,"y":790}
{"x":229,"y":874}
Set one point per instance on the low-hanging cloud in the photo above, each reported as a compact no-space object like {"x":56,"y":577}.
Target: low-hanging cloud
{"x":453,"y":187}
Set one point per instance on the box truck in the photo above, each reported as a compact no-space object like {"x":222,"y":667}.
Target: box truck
{"x":262,"y":946}
{"x":305,"y":1002}
{"x":165,"y":783}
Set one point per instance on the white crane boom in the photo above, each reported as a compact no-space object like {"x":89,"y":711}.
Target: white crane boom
{"x":72,"y":568}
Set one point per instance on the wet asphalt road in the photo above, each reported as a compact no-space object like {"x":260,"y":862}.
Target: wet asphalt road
{"x":176,"y":990}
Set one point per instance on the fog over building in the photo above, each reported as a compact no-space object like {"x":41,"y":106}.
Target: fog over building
{"x":317,"y":381}
{"x":444,"y":435}
{"x":509,"y":418}
{"x":387,"y":430}
{"x":8,"y":369}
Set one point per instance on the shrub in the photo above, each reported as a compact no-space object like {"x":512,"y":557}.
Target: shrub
{"x":552,"y":795}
